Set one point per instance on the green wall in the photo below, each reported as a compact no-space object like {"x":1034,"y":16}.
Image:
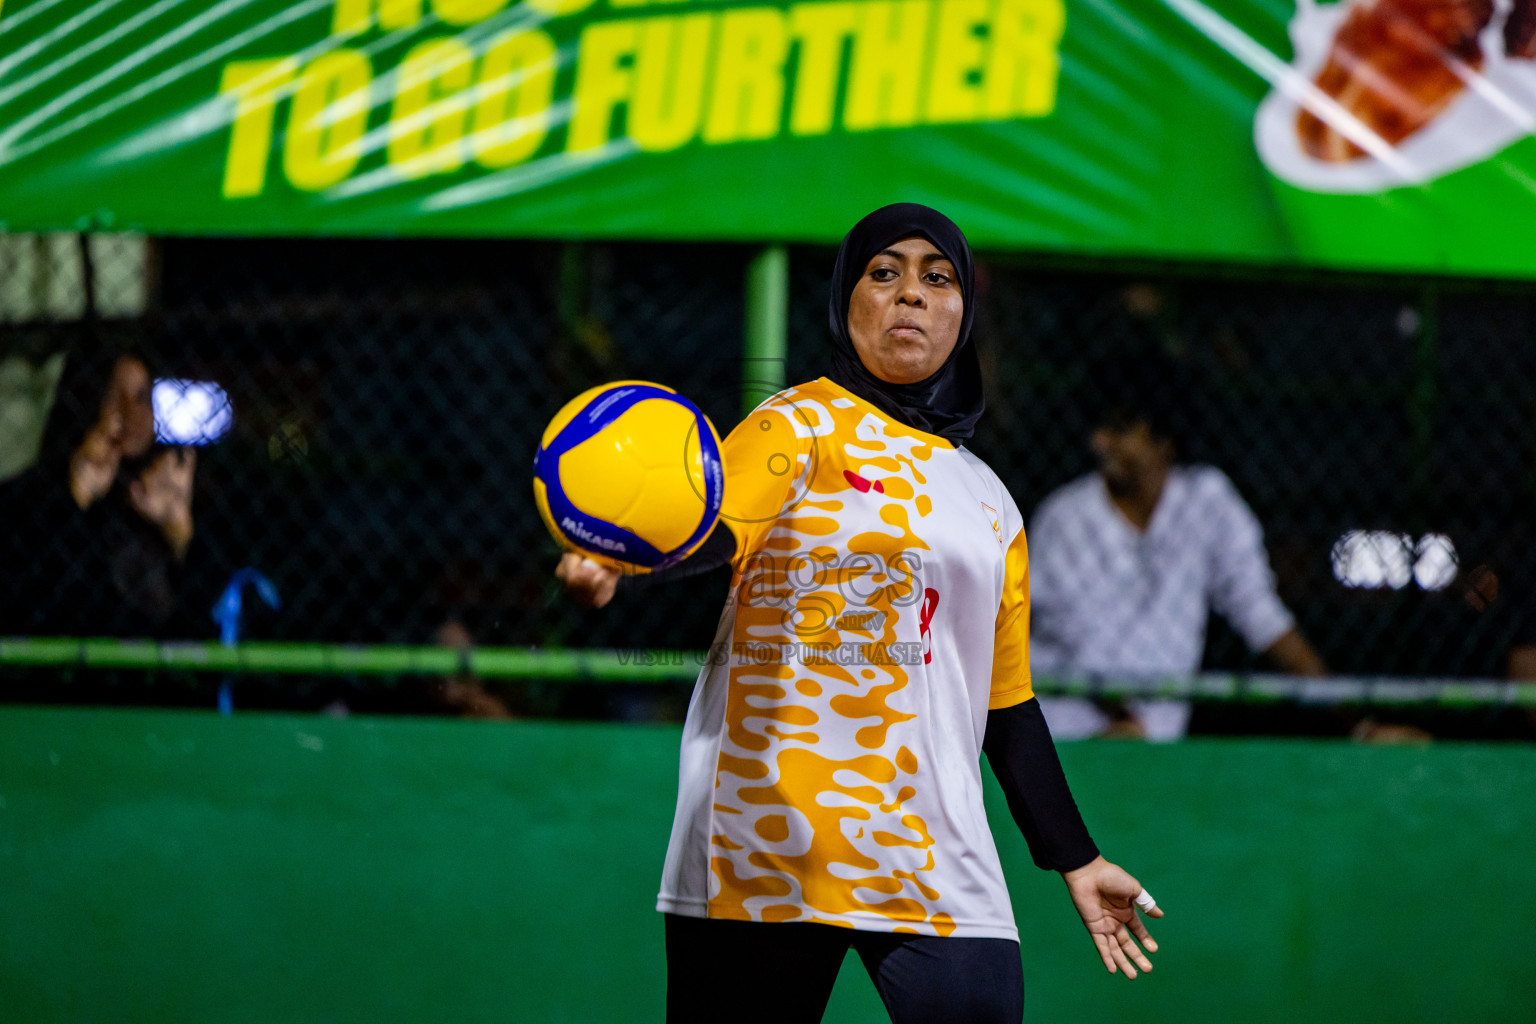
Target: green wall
{"x":173,"y":866}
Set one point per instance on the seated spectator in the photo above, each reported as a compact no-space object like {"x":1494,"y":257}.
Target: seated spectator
{"x":98,"y":530}
{"x":463,"y":694}
{"x":1126,"y":564}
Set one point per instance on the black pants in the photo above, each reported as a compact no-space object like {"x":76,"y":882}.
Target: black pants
{"x":734,"y":972}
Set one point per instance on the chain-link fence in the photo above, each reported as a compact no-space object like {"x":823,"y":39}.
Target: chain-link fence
{"x":387,"y":396}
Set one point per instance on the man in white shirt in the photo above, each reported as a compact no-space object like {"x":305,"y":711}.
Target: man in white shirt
{"x":1126,"y":564}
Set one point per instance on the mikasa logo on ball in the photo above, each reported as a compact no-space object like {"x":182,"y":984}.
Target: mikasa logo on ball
{"x":570,"y":526}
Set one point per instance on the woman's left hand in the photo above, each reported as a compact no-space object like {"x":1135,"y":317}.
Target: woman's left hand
{"x":1104,"y":896}
{"x":163,"y":495}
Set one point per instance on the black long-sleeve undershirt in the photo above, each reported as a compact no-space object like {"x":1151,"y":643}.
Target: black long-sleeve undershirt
{"x":1023,"y":757}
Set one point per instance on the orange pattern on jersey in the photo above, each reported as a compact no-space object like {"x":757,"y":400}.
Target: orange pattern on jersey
{"x":818,"y":781}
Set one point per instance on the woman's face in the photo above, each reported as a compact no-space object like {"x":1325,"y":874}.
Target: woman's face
{"x":904,"y":314}
{"x":127,"y":409}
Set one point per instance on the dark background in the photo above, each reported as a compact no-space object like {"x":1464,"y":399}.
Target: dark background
{"x":389,"y":395}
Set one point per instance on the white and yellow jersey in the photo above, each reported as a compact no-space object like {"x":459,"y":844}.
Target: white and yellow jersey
{"x":879,"y":608}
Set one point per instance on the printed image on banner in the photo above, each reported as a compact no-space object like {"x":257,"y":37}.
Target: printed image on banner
{"x":1388,"y":93}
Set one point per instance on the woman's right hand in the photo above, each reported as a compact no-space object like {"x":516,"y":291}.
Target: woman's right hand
{"x":162,"y":495}
{"x":587,"y":583}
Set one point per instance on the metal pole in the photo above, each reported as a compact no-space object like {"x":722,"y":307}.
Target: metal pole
{"x":767,"y":327}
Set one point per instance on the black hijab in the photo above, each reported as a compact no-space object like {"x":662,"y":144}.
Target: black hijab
{"x":949,"y":402}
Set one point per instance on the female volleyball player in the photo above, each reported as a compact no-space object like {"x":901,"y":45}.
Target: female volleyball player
{"x":875,"y":642}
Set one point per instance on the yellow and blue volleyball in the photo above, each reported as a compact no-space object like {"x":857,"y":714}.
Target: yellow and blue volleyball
{"x":629,"y":475}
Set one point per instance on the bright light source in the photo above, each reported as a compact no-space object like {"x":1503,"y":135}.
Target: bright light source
{"x":1380,"y":559}
{"x":1373,"y":559}
{"x":1435,"y":566}
{"x":191,"y":411}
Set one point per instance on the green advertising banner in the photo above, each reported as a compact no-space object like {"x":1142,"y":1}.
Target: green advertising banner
{"x":1379,"y":134}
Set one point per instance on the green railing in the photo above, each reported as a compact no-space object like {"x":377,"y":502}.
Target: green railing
{"x":572,"y":665}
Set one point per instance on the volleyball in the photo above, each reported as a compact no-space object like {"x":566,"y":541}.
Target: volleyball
{"x":629,"y":474}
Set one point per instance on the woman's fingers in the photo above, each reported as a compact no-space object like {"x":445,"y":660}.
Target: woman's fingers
{"x":1121,"y":960}
{"x":1147,"y":904}
{"x":1102,"y":941}
{"x":575,"y":572}
{"x":100,"y":447}
{"x":1139,"y":929}
{"x":1133,"y":951}
{"x":1108,"y":901}
{"x":588,"y":583}
{"x":1120,"y":953}
{"x":1114,"y":956}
